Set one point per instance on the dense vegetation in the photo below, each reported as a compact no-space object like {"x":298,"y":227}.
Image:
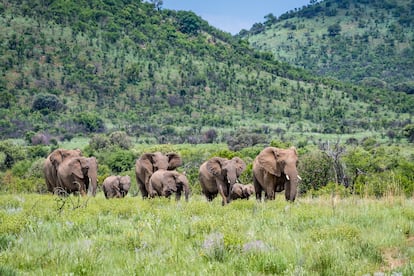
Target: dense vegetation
{"x":369,"y":42}
{"x":70,"y":68}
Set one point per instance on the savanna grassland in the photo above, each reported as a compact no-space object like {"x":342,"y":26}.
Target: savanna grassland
{"x":44,"y":235}
{"x":117,"y":79}
{"x":328,"y":230}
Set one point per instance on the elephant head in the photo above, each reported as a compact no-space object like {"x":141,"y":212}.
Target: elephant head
{"x":73,"y":175}
{"x":158,"y":161}
{"x":282,"y":163}
{"x":227,"y":173}
{"x":52,"y":164}
{"x":124,"y":185}
{"x":166,"y":182}
{"x":242,"y":191}
{"x":116,"y":186}
{"x":58,"y":155}
{"x":149,"y":163}
{"x":248,"y":190}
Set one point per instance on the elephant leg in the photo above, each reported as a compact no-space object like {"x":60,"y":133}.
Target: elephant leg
{"x":142,"y":189}
{"x":221,"y":192}
{"x":258,"y":189}
{"x":270,"y":192}
{"x":210,"y":196}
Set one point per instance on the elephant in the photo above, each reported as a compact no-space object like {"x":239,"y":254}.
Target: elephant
{"x":166,"y":182}
{"x":148,"y":163}
{"x":75,"y":174}
{"x":218,"y":175}
{"x":52,"y":163}
{"x":116,"y":186}
{"x":275,"y":170}
{"x":242,"y":191}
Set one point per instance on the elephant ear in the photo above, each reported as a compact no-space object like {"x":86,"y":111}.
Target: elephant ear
{"x":240,"y":165}
{"x":174,"y":161}
{"x":147,"y":161}
{"x":75,"y":166}
{"x":214,"y":166}
{"x":56,"y":157}
{"x":268,"y":160}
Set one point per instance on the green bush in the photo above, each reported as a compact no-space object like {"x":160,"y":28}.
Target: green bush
{"x":121,"y":161}
{"x":315,"y":168}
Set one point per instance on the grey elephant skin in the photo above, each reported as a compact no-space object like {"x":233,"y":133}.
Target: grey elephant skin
{"x":275,"y":170}
{"x":148,"y":163}
{"x":218,"y":175}
{"x":116,"y":186}
{"x":52,"y":164}
{"x":167,"y":182}
{"x":241,"y":191}
{"x":76,"y":174}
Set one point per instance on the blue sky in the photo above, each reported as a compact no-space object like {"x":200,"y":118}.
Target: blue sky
{"x":233,"y":15}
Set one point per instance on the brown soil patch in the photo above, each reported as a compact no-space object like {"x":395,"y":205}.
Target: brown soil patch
{"x":393,"y":257}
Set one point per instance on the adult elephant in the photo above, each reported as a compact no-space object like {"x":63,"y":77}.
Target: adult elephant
{"x":274,"y":170}
{"x":242,"y":191}
{"x":116,"y":186}
{"x":165,"y":183}
{"x":218,"y":175}
{"x":75,"y":174}
{"x":52,"y":164}
{"x":148,"y":163}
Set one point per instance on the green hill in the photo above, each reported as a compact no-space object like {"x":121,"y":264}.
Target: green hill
{"x":72,"y":68}
{"x":370,"y":42}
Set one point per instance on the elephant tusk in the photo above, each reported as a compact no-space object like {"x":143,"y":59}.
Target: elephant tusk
{"x":300,"y":178}
{"x":287,"y":177}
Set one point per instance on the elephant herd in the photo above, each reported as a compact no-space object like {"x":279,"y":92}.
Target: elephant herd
{"x":274,"y":170}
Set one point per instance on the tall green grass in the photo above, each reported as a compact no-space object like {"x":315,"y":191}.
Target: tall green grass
{"x":44,"y":235}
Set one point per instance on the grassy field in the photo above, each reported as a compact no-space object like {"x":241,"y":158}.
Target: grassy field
{"x":45,"y":235}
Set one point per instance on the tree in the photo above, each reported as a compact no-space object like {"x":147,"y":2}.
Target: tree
{"x":47,"y":103}
{"x":409,"y":132}
{"x":157,"y":4}
{"x":189,"y":23}
{"x":334,"y":29}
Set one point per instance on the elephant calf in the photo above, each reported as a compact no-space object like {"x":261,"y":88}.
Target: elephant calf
{"x":116,"y":186}
{"x":166,"y":182}
{"x":241,"y":191}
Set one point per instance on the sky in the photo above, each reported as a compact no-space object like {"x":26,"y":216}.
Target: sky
{"x":234,"y":15}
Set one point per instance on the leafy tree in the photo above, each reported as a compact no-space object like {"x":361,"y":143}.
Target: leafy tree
{"x":189,"y":23}
{"x":315,"y":169}
{"x":334,"y":30}
{"x":47,"y":103}
{"x":90,"y":122}
{"x":409,"y":132}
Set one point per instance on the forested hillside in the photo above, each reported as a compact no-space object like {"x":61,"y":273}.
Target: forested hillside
{"x":70,"y":68}
{"x":370,"y":42}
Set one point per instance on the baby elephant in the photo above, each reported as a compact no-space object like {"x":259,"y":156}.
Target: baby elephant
{"x":166,"y":182}
{"x":116,"y":186}
{"x":242,"y":191}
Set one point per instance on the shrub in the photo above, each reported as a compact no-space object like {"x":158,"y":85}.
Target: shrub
{"x":98,"y":142}
{"x":315,"y":168}
{"x":47,"y":103}
{"x":120,"y":139}
{"x":243,"y":139}
{"x":10,"y":154}
{"x":90,"y":122}
{"x":120,"y":161}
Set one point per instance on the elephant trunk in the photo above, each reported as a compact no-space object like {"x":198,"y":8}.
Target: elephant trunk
{"x":291,"y":185}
